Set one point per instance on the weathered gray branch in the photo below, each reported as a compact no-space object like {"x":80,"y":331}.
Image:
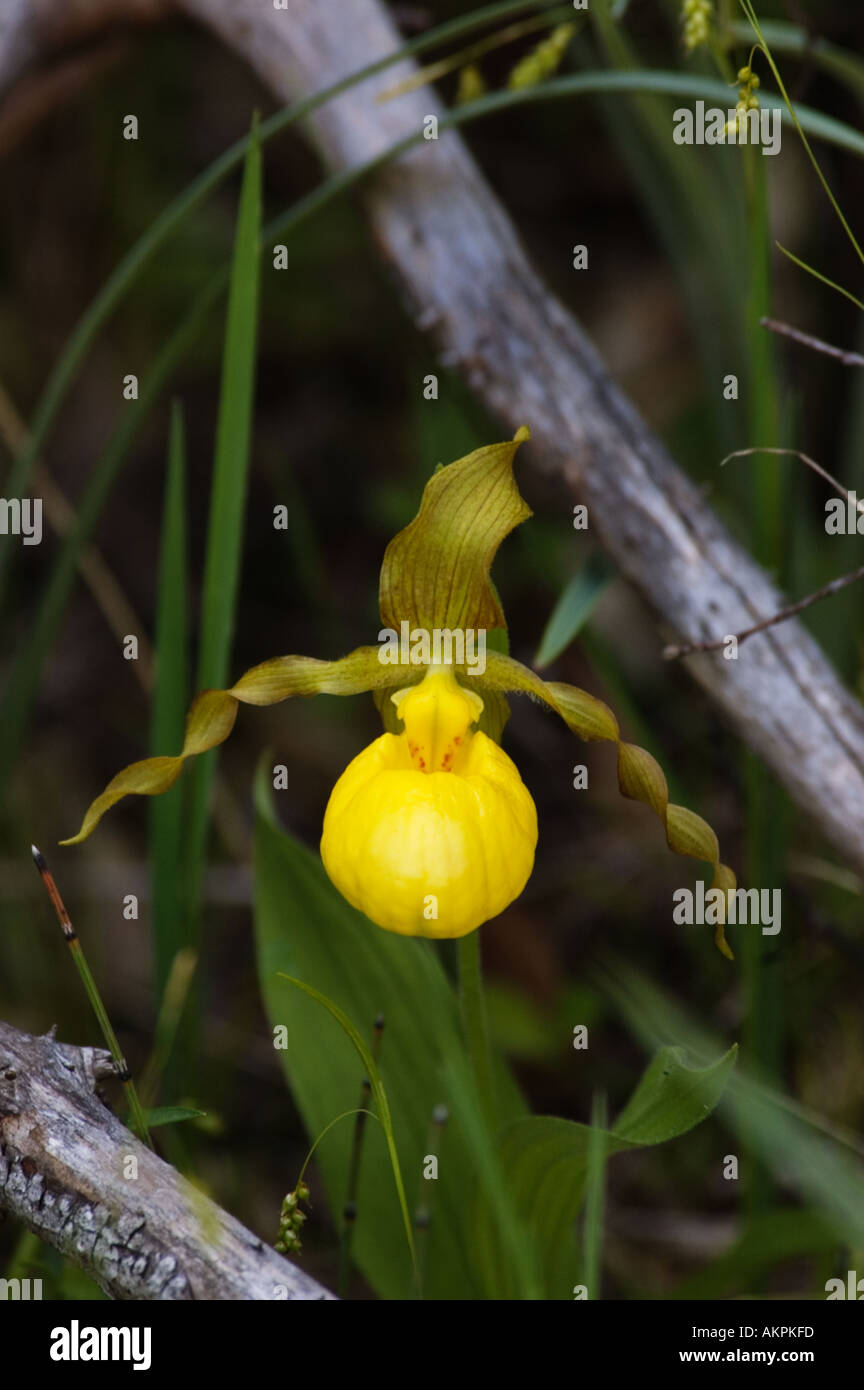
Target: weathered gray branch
{"x":464,"y":272}
{"x":77,"y":1177}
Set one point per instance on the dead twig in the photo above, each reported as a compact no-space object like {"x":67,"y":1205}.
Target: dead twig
{"x":849,"y":359}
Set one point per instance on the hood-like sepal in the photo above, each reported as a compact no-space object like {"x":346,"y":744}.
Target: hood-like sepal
{"x":435,"y":572}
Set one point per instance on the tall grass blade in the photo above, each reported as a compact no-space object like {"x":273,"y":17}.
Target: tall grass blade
{"x":170,"y":701}
{"x":226,"y":521}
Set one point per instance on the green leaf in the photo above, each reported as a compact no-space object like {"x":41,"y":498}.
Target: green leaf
{"x":672,"y":1097}
{"x":305,"y":929}
{"x":805,"y":1151}
{"x":546,"y":1158}
{"x":436,"y":571}
{"x":227,"y":501}
{"x":574,"y":607}
{"x":171,"y":1115}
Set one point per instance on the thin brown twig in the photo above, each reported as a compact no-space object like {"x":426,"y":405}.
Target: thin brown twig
{"x":849,"y":359}
{"x":805,"y":458}
{"x":673,"y":652}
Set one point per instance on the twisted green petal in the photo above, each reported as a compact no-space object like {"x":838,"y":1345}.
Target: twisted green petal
{"x":640,"y":776}
{"x":211,"y":717}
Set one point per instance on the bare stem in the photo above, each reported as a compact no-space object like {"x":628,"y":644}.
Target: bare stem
{"x":672,"y":653}
{"x":786,"y":330}
{"x":139,"y":1123}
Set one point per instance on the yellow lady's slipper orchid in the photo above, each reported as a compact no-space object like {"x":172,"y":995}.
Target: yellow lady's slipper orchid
{"x":431,"y":831}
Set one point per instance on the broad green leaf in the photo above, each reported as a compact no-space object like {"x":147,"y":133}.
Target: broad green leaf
{"x":305,"y":929}
{"x":805,"y":1151}
{"x":574,"y":607}
{"x":436,"y":571}
{"x":546,"y":1158}
{"x":672,"y":1097}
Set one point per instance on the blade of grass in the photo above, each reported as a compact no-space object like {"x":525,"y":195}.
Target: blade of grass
{"x":170,"y":701}
{"x":767,"y":806}
{"x":817,"y":275}
{"x":224,"y":535}
{"x":693,"y":198}
{"x":173,"y":1002}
